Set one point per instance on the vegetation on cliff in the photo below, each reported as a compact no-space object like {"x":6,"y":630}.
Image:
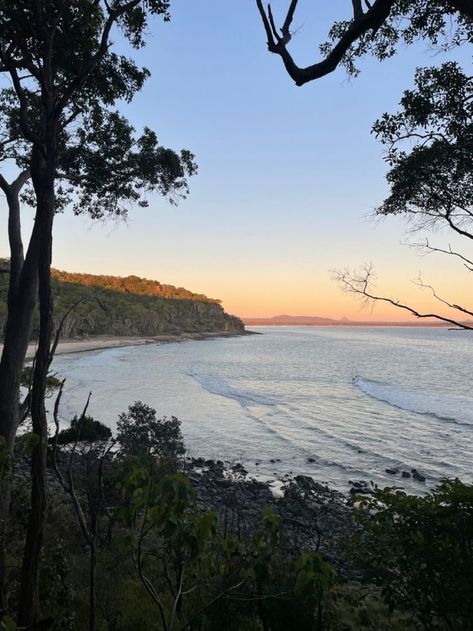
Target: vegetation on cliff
{"x":111,"y":305}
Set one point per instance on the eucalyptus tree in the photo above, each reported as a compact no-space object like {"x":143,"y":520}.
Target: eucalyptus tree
{"x":429,"y":150}
{"x":376,"y":27}
{"x":65,"y":77}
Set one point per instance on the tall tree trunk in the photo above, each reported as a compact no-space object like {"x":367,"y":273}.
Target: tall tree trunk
{"x":92,"y":587}
{"x":22,"y":290}
{"x":43,"y":176}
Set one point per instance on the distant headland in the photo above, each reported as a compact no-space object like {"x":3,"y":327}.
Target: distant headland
{"x":290,"y":320}
{"x":88,"y":305}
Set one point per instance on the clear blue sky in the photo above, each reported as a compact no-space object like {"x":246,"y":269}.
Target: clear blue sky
{"x":287,"y":176}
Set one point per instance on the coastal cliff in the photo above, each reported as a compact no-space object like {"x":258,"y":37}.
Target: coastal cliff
{"x":91,"y":305}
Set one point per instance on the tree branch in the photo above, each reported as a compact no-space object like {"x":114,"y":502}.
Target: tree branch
{"x":448,"y":304}
{"x":362,"y":23}
{"x":430,"y":249}
{"x":360,"y":285}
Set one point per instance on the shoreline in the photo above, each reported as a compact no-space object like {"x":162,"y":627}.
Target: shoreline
{"x":104,"y":342}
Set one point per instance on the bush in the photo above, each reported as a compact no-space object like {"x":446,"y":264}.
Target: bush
{"x":420,"y":551}
{"x":140,"y":434}
{"x":84,"y":429}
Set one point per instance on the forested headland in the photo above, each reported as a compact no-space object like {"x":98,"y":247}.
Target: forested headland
{"x":86,"y":305}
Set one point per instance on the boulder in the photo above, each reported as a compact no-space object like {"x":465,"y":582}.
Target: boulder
{"x":418,"y":476}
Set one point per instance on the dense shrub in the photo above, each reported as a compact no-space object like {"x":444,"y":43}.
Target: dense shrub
{"x":420,"y":551}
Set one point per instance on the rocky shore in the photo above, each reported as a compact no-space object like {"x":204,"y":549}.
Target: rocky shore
{"x":313,"y":516}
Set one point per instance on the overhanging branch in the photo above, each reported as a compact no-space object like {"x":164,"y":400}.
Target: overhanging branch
{"x":362,"y":23}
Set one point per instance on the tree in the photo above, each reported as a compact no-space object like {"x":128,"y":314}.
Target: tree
{"x":59,"y":59}
{"x":419,"y":550}
{"x":430,"y":154}
{"x":92,"y":442}
{"x":431,"y":183}
{"x":375,"y":28}
{"x":141,"y":435}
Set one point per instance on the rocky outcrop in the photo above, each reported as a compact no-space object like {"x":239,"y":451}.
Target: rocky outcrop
{"x":313,"y":516}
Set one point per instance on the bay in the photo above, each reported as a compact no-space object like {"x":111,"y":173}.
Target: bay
{"x":337,"y":404}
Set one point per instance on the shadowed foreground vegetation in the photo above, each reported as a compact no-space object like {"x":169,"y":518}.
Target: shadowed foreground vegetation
{"x":129,"y":547}
{"x":111,"y":305}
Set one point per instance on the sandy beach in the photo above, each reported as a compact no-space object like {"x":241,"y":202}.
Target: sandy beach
{"x":102,"y":342}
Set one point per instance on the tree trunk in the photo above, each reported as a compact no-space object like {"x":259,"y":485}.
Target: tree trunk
{"x":23,"y":287}
{"x":92,"y":588}
{"x":43,"y":176}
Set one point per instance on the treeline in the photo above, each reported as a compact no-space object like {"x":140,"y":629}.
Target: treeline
{"x":107,"y":305}
{"x":131,"y":285}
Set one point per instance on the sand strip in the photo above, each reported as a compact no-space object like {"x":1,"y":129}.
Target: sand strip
{"x":101,"y":342}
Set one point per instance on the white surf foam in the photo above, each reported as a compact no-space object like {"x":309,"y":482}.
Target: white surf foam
{"x":455,"y":409}
{"x":222,"y":388}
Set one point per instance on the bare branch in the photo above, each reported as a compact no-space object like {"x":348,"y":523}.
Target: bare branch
{"x":430,"y":249}
{"x":357,"y":9}
{"x":360,"y":284}
{"x":448,"y":304}
{"x":59,"y":331}
{"x":288,"y":21}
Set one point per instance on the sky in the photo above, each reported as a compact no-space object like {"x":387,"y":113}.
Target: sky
{"x":288,"y":177}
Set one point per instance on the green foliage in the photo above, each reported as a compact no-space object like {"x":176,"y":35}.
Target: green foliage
{"x":420,"y":551}
{"x":84,"y":429}
{"x":103,"y":163}
{"x":439,"y":23}
{"x":52,"y":382}
{"x":27,"y":442}
{"x":55,"y":584}
{"x":140,"y":434}
{"x":109,"y":305}
{"x":131,"y":285}
{"x":432,"y":181}
{"x":236,"y":584}
{"x":8,"y":624}
{"x":315,"y":579}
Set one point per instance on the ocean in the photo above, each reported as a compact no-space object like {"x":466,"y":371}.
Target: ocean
{"x":337,"y":404}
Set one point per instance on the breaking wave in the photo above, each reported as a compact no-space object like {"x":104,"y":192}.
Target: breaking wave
{"x":453,"y":409}
{"x":222,"y":388}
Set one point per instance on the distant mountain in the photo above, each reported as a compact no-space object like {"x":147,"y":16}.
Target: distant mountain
{"x":288,"y":320}
{"x":284,"y":320}
{"x":112,"y":305}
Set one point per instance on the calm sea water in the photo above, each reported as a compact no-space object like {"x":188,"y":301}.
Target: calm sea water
{"x":353,"y":400}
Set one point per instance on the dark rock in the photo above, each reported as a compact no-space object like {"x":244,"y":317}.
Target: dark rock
{"x":310,"y":459}
{"x":406,"y":474}
{"x":392,"y":471}
{"x":418,"y":476}
{"x":222,"y":482}
{"x":360,"y":490}
{"x":273,"y":461}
